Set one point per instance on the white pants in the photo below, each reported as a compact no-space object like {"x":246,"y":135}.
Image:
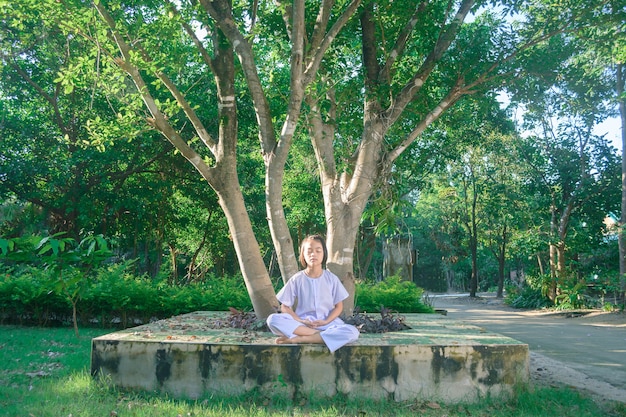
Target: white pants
{"x":335,"y":334}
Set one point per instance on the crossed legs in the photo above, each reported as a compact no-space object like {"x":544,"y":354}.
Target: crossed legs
{"x":303,"y":334}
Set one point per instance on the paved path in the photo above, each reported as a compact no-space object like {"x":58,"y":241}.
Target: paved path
{"x":594,"y":347}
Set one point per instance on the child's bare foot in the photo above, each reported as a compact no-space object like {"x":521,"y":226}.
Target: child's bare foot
{"x":297,"y":339}
{"x":282,"y":340}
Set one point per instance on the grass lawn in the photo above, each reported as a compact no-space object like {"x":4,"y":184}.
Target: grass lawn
{"x":45,"y":372}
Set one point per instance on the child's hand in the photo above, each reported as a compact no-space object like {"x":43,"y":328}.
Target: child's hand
{"x":316,"y":323}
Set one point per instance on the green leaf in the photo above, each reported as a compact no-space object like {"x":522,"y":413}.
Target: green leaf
{"x":6,"y":246}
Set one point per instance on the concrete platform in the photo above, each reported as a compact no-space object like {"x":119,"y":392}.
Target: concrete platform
{"x":437,"y":359}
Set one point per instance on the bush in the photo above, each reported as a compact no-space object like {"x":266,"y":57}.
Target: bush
{"x":526,"y":297}
{"x":112,"y":294}
{"x":117,"y":295}
{"x":572,"y":292}
{"x":392,"y":293}
{"x":27,"y":296}
{"x":214,"y":294}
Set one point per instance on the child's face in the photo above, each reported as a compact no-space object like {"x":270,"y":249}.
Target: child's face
{"x":313,"y":252}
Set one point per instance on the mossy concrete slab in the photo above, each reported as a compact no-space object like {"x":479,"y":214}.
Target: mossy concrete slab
{"x":437,"y":359}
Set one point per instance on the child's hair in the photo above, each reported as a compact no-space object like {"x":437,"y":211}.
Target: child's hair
{"x":320,"y":239}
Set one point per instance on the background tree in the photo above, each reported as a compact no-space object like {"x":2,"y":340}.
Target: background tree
{"x":506,"y":210}
{"x":414,"y":67}
{"x":478,"y":182}
{"x":164,"y":101}
{"x":67,"y":164}
{"x":572,"y":170}
{"x":45,"y":161}
{"x":619,"y":55}
{"x":364,"y":110}
{"x":575,"y":166}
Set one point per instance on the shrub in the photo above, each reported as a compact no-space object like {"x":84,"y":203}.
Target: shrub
{"x":526,"y":297}
{"x":392,"y":293}
{"x":117,"y":295}
{"x":27,"y":297}
{"x":112,"y":294}
{"x":571,"y":296}
{"x":214,"y":294}
{"x":572,"y":292}
{"x":532,"y":294}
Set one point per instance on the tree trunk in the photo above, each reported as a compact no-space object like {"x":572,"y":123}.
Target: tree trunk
{"x":365,"y":253}
{"x":279,"y":230}
{"x":276,"y":157}
{"x":551,"y":290}
{"x":553,"y":256}
{"x":256,"y":277}
{"x":340,"y":262}
{"x":558,"y":267}
{"x":345,"y":196}
{"x":75,"y":317}
{"x":347,"y":191}
{"x":174,"y":261}
{"x":500,"y":291}
{"x":501,"y":262}
{"x":192,"y":268}
{"x":561,"y":269}
{"x":225,"y":182}
{"x":622,"y":221}
{"x":474,"y":237}
{"x":222,"y":177}
{"x":307,"y":51}
{"x":474,"y":276}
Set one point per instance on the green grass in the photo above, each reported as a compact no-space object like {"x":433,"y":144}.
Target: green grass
{"x":45,"y":372}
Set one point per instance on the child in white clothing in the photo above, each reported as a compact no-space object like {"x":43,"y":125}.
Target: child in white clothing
{"x":311,"y":303}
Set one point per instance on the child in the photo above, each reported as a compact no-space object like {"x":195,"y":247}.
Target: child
{"x":311,"y":303}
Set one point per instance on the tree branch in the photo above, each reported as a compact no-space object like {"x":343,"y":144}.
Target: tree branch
{"x":401,"y":41}
{"x":158,"y":119}
{"x":221,"y":13}
{"x":443,"y":43}
{"x":448,"y":101}
{"x":321,"y":48}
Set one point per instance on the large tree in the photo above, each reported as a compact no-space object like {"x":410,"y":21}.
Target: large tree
{"x":412,"y":68}
{"x":46,"y":162}
{"x":575,"y":169}
{"x":417,"y":60}
{"x":479,"y":187}
{"x":167,"y":50}
{"x":506,"y":208}
{"x":162,"y":97}
{"x":575,"y":174}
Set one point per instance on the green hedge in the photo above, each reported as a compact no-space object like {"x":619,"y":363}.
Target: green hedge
{"x":113,"y":296}
{"x":394,"y":294}
{"x":28,"y":297}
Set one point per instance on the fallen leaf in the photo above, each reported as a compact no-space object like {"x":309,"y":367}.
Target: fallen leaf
{"x":38,"y":373}
{"x":433,"y":405}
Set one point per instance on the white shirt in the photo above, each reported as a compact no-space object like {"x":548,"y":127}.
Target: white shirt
{"x":314,"y":298}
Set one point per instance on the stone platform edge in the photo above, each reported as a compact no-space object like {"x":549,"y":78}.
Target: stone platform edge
{"x":437,"y":359}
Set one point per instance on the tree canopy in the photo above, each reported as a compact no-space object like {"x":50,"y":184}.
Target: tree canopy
{"x":381,"y":95}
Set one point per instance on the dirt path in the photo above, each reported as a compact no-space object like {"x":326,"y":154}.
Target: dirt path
{"x":585,"y":350}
